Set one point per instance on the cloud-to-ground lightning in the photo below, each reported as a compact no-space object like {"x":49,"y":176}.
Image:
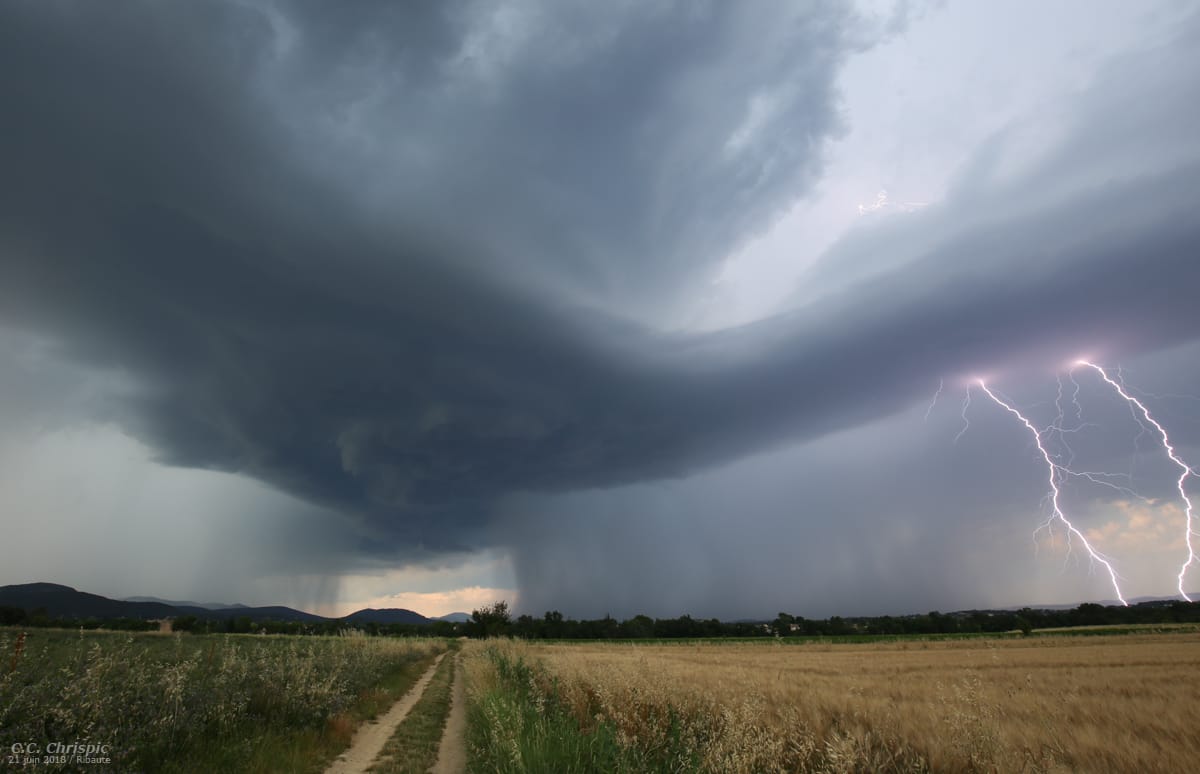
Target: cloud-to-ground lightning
{"x":936,"y":395}
{"x":1075,"y":398}
{"x":1060,"y":421}
{"x":1185,"y":469}
{"x":1059,"y":429}
{"x":1054,"y":470}
{"x":966,"y":422}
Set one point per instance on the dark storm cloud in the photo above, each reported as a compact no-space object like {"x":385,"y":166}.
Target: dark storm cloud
{"x":611,"y":153}
{"x":154,"y":219}
{"x":893,"y":516}
{"x":324,"y":243}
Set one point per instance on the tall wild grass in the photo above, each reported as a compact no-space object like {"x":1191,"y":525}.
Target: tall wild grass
{"x":167,"y":702}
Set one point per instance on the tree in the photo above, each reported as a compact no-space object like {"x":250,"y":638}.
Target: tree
{"x":783,"y":624}
{"x":442,"y":629}
{"x":552,"y":625}
{"x":638,"y":627}
{"x":526,"y":627}
{"x":491,"y":621}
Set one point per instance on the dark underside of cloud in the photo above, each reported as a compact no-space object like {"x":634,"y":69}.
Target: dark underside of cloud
{"x":403,"y":264}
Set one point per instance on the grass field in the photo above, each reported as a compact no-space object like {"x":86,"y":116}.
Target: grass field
{"x":253,"y":703}
{"x":1055,"y":703}
{"x":1060,"y":701}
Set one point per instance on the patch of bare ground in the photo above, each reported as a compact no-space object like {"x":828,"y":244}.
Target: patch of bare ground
{"x":452,"y":754}
{"x":371,"y":737}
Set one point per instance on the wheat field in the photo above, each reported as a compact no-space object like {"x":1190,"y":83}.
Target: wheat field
{"x":1096,"y":703}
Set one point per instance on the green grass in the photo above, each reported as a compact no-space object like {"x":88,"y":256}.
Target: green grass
{"x":1109,"y":629}
{"x":519,"y":725}
{"x":229,"y":703}
{"x":271,"y":750}
{"x":413,"y":749}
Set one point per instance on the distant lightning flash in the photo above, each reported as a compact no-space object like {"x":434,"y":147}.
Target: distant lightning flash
{"x":1054,"y":493}
{"x":883,"y":203}
{"x":1059,"y":424}
{"x":936,"y":395}
{"x":966,"y":422}
{"x":1075,"y":398}
{"x":1185,"y":469}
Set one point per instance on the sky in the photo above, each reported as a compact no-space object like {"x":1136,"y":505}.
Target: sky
{"x":606,"y":308}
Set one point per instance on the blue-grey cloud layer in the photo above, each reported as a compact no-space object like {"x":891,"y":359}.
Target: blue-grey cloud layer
{"x":405,"y":262}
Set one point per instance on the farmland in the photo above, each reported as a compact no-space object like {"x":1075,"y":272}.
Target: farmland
{"x":192,"y":703}
{"x":1054,"y":703}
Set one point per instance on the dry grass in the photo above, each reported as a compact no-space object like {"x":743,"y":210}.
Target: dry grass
{"x":1097,"y":703}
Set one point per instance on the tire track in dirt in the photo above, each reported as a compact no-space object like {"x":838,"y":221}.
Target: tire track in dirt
{"x":370,"y":738}
{"x":452,"y":754}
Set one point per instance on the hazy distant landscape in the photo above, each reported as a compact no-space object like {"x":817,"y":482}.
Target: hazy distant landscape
{"x":54,"y":605}
{"x":58,"y":601}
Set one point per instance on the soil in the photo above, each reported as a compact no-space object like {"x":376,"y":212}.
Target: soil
{"x":370,"y":738}
{"x":452,"y":755}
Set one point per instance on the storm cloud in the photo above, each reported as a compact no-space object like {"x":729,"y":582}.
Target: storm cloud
{"x":412,"y":264}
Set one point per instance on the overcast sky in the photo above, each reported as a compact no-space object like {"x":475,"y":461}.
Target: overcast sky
{"x":604,"y":308}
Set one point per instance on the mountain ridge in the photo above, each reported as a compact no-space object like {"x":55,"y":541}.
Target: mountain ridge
{"x":61,"y":601}
{"x":185,"y":603}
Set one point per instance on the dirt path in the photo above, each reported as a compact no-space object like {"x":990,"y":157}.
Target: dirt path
{"x":452,"y":755}
{"x":373,"y":735}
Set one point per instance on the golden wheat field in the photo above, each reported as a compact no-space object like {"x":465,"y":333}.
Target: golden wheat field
{"x":1097,"y":703}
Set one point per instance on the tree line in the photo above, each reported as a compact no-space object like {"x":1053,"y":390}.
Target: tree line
{"x":496,"y":620}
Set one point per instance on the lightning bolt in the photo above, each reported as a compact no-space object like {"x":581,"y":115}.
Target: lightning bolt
{"x":1185,"y":469}
{"x":1164,"y":395}
{"x":936,"y":395}
{"x":1059,"y":425}
{"x":966,"y":422}
{"x":883,"y":203}
{"x":1054,"y":472}
{"x":1075,"y":398}
{"x":1137,"y":447}
{"x":1060,"y":430}
{"x":1101,"y":478}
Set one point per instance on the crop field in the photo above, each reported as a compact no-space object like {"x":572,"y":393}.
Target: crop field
{"x":261,"y":703}
{"x":198,"y":703}
{"x":1126,"y":702}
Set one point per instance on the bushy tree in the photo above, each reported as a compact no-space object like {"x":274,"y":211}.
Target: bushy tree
{"x":491,"y":621}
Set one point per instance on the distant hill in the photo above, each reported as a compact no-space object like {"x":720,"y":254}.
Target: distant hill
{"x":184,"y":603}
{"x":391,"y":615}
{"x":268,"y":613}
{"x":454,"y":617}
{"x":65,"y":602}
